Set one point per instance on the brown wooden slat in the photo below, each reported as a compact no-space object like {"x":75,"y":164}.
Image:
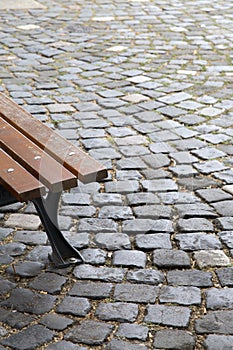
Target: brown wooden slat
{"x":51,"y":173}
{"x":17,"y":180}
{"x":81,"y":164}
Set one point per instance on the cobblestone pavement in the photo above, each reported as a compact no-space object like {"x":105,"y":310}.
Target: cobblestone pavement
{"x":145,"y":86}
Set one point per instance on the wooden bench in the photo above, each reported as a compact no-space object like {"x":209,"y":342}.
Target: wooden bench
{"x":37,"y":164}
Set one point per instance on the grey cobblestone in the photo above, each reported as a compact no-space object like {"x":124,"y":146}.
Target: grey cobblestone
{"x":118,"y":311}
{"x":218,"y":342}
{"x":177,"y":316}
{"x":215,"y":322}
{"x":219,"y":298}
{"x":116,"y":344}
{"x":132,"y":331}
{"x":180,"y":295}
{"x":137,"y":293}
{"x":89,"y":332}
{"x":190,"y":278}
{"x":171,"y":258}
{"x":178,"y":339}
{"x":146,"y":88}
{"x":129,"y":258}
{"x":197,"y":241}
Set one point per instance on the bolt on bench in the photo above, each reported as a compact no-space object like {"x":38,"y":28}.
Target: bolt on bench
{"x":37,"y":164}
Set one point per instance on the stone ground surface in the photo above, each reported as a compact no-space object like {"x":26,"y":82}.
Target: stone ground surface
{"x":144,"y":86}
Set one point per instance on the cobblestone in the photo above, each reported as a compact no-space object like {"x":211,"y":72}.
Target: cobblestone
{"x":146,"y":88}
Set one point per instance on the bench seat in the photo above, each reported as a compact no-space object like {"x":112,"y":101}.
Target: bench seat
{"x":37,"y":164}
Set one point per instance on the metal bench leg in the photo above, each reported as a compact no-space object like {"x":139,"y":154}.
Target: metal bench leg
{"x":63,"y":254}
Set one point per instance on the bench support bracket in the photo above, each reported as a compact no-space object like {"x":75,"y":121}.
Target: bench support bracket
{"x":63,"y":253}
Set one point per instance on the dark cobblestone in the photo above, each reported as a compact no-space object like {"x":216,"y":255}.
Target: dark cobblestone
{"x":116,"y":344}
{"x":92,"y":290}
{"x":218,"y":342}
{"x":74,"y":306}
{"x":153,"y":241}
{"x":154,"y":104}
{"x":136,"y":293}
{"x":219,"y":298}
{"x":180,"y":295}
{"x":106,"y":274}
{"x":190,"y":278}
{"x":215,"y":322}
{"x":174,"y":339}
{"x":48,"y":282}
{"x":118,"y":311}
{"x":197,"y":241}
{"x":225,"y":276}
{"x":15,"y":319}
{"x":56,"y":322}
{"x":113,"y":241}
{"x":25,"y":300}
{"x":132,"y":331}
{"x":176,"y":316}
{"x":33,"y":336}
{"x":89,"y":332}
{"x":171,"y":258}
{"x":147,"y":276}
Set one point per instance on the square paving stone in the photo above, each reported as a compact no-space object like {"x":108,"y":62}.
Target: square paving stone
{"x":176,"y":316}
{"x":174,"y":339}
{"x":132,"y":331}
{"x":215,"y":322}
{"x":219,"y":298}
{"x":91,"y":290}
{"x":194,"y":278}
{"x":118,"y":311}
{"x":194,"y":225}
{"x":224,"y":208}
{"x":65,"y":345}
{"x":113,"y":241}
{"x":214,"y":258}
{"x":26,"y":268}
{"x":107,"y":274}
{"x":74,"y":305}
{"x":208,"y":153}
{"x":145,"y":276}
{"x":171,"y":258}
{"x":117,"y":344}
{"x":24,"y":300}
{"x":195,"y":211}
{"x":137,"y":293}
{"x":159,"y":185}
{"x":209,"y":167}
{"x":31,"y":338}
{"x":218,"y":342}
{"x":90,"y":332}
{"x":225,"y":223}
{"x":123,"y":187}
{"x":153,"y":211}
{"x":26,"y":221}
{"x":180,"y":295}
{"x":56,"y":322}
{"x":140,"y":226}
{"x":15,"y":319}
{"x":153,"y":241}
{"x":31,"y":237}
{"x":48,"y":282}
{"x":129,"y":258}
{"x":213,"y":195}
{"x":225,"y":276}
{"x":197,"y":241}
